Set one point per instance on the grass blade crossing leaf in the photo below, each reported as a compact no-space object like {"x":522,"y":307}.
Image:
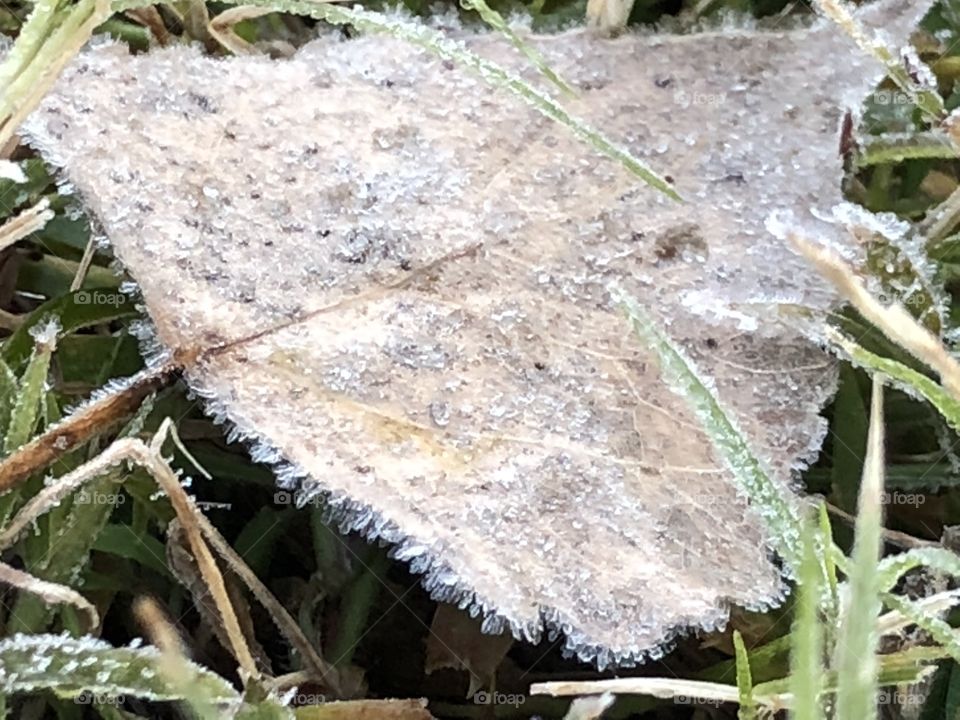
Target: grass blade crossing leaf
{"x":779,"y":512}
{"x":895,"y":322}
{"x":495,"y":20}
{"x":450,"y":49}
{"x":907,"y":79}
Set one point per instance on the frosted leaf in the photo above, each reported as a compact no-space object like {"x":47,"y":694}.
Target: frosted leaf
{"x":394,"y":279}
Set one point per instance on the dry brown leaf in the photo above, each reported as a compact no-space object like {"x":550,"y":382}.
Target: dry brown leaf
{"x":367,"y":710}
{"x":457,"y":642}
{"x":221,"y":28}
{"x":151,"y":19}
{"x":394,"y":278}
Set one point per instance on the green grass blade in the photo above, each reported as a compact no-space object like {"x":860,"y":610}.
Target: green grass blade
{"x":908,"y":379}
{"x":896,"y":566}
{"x":121,"y":540}
{"x":33,"y":388}
{"x":849,"y":431}
{"x":748,"y":708}
{"x":495,"y":20}
{"x":938,"y":629}
{"x":751,"y":475}
{"x":951,"y":706}
{"x":806,"y":657}
{"x":908,"y":666}
{"x":830,"y":557}
{"x":60,"y":548}
{"x":60,"y":33}
{"x":358,"y":601}
{"x":895,"y":148}
{"x":9,"y":390}
{"x":39,"y":24}
{"x":770,"y":661}
{"x":258,"y":539}
{"x":856,"y":648}
{"x":73,"y":311}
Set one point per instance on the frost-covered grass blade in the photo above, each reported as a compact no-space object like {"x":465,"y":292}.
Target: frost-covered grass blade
{"x":31,"y":390}
{"x":855,"y":652}
{"x":910,"y":75}
{"x":54,"y":32}
{"x":69,"y":666}
{"x":909,"y":379}
{"x":806,"y":657}
{"x":942,"y":633}
{"x":495,"y":20}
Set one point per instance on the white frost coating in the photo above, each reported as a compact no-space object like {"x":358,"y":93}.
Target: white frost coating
{"x":12,"y":171}
{"x":918,"y":69}
{"x":815,"y":224}
{"x":429,"y":258}
{"x":45,"y":334}
{"x":886,"y":225}
{"x":708,"y":305}
{"x":111,"y":387}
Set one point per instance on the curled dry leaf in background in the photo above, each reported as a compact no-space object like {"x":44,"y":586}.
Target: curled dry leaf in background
{"x":456,"y":641}
{"x":367,"y":710}
{"x":394,"y":278}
